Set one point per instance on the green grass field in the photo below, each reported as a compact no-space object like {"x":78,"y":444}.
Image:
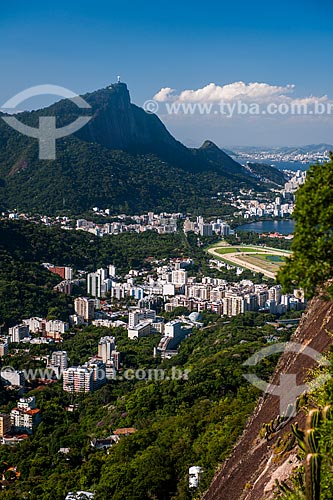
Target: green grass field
{"x":222,"y":250}
{"x":275,"y":258}
{"x":263,"y":261}
{"x":266,"y":259}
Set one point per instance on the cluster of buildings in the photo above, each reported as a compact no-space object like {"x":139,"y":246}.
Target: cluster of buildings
{"x":230,"y":299}
{"x":277,"y":208}
{"x":22,"y":421}
{"x":283,"y":205}
{"x":48,"y":329}
{"x":100,"y":282}
{"x":171,"y":277}
{"x":294,"y":183}
{"x":161,"y":223}
{"x":96,"y":371}
{"x":198,"y":226}
{"x":282,"y":156}
{"x":170,"y":286}
{"x":66,"y":273}
{"x":142,"y":322}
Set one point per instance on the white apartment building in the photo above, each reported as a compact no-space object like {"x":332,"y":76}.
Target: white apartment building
{"x":105,"y":347}
{"x":27,"y":403}
{"x":139,"y":330}
{"x":56,"y":326}
{"x":112,"y":270}
{"x":59,"y":359}
{"x":77,"y":379}
{"x":233,"y":305}
{"x":25,"y":420}
{"x":85,"y":308}
{"x":172,"y":328}
{"x":35,"y":325}
{"x":179,"y":277}
{"x":137,"y":315}
{"x":25,"y":417}
{"x":13,"y":377}
{"x":274,"y":293}
{"x":198,"y":291}
{"x":18,"y":333}
{"x":98,"y":283}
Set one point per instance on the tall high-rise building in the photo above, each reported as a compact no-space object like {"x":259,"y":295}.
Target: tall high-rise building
{"x":25,"y":417}
{"x":233,"y":305}
{"x":98,"y":283}
{"x":98,"y":371}
{"x":112,"y":270}
{"x":77,"y":379}
{"x":94,"y":284}
{"x":274,"y":293}
{"x":25,"y":420}
{"x":105,"y":347}
{"x":179,"y":277}
{"x":3,"y":347}
{"x":205,"y":229}
{"x":85,"y":308}
{"x":5,"y":424}
{"x":59,"y":359}
{"x":56,"y":325}
{"x":18,"y":333}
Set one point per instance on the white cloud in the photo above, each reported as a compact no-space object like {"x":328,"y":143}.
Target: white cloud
{"x":165,"y":94}
{"x":232,"y":91}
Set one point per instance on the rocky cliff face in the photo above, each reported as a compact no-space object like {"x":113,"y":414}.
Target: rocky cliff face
{"x":118,"y":124}
{"x":251,"y":470}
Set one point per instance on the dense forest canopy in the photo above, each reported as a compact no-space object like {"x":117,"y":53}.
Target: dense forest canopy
{"x":311,"y":264}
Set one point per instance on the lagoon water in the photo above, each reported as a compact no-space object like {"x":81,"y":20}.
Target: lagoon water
{"x":269,"y":226}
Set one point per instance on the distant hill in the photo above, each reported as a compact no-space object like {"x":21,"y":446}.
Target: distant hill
{"x":309,"y":148}
{"x":123,"y":159}
{"x":266,"y":173}
{"x":283,"y":158}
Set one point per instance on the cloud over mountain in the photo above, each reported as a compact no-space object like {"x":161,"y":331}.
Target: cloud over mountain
{"x":228,"y":92}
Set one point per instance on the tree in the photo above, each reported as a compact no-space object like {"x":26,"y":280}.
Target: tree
{"x":311,"y":264}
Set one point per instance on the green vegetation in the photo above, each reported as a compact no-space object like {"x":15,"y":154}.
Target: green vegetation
{"x":274,"y":258}
{"x":312,"y":262}
{"x":252,"y":238}
{"x":26,"y":287}
{"x":224,"y":250}
{"x":110,"y":165}
{"x":179,"y":422}
{"x":265,"y":171}
{"x":247,"y":257}
{"x":313,"y":480}
{"x":260,"y":261}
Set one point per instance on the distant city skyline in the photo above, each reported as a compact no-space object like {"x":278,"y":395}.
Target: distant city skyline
{"x":277,"y":53}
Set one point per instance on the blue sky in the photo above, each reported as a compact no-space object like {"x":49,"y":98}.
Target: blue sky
{"x":180,"y":45}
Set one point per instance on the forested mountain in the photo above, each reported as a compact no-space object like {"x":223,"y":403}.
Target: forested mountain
{"x":123,"y":159}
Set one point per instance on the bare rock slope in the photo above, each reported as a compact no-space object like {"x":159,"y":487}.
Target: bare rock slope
{"x":251,"y":470}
